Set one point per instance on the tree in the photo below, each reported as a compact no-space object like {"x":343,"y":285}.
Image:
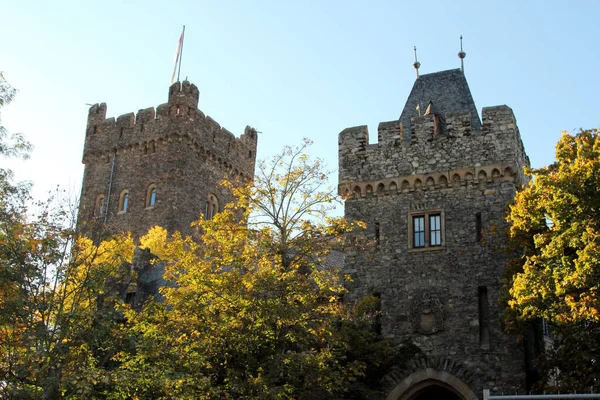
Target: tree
{"x":59,"y":294}
{"x":254,"y":311}
{"x":556,"y":222}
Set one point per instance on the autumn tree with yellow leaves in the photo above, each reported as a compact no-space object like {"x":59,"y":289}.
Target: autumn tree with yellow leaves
{"x":60,"y":304}
{"x":253,"y":310}
{"x":555,"y":222}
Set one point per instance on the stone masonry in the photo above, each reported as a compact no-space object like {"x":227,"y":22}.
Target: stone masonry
{"x":434,"y":191}
{"x":160,"y":167}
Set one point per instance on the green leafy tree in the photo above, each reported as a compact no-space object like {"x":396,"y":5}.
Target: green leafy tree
{"x":254,"y":311}
{"x":59,"y":295}
{"x":556,"y":222}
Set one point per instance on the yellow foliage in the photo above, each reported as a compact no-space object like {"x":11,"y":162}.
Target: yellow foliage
{"x":560,"y":213}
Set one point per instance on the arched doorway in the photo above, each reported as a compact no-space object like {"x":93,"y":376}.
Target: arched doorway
{"x":435,"y":392}
{"x":431,"y":390}
{"x":431,"y":384}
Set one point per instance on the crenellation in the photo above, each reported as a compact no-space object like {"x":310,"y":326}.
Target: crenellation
{"x":438,"y":199}
{"x":388,"y":133}
{"x":175,"y":147}
{"x":213,"y":125}
{"x":145,"y":116}
{"x":459,"y":123}
{"x":184,"y":94}
{"x":130,"y":130}
{"x":458,"y":146}
{"x":97,"y":113}
{"x":162,"y":111}
{"x":126,"y":120}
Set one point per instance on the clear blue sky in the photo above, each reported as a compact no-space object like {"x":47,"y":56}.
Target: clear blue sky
{"x":291,"y":69}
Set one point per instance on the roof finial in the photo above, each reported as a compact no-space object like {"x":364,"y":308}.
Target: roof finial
{"x":417,"y":64}
{"x":462,"y":56}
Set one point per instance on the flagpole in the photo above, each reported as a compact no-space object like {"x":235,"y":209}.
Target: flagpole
{"x":181,"y":53}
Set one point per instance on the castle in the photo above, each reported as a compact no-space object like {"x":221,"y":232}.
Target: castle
{"x":160,"y":167}
{"x":433,"y":191}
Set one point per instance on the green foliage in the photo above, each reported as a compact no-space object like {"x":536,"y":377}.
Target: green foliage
{"x":556,"y":221}
{"x":58,"y":313}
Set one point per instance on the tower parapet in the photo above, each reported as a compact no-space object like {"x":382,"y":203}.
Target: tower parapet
{"x":437,"y":142}
{"x":179,"y":119}
{"x":168,"y":162}
{"x":433,"y":192}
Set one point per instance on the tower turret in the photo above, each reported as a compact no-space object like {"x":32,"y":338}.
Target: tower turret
{"x":160,"y":167}
{"x":184,"y":94}
{"x":433,"y":192}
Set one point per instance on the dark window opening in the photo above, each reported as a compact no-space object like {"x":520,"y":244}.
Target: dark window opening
{"x":94,"y":130}
{"x":121,"y":132}
{"x":478,"y":227}
{"x":377,"y":234}
{"x":130,"y":298}
{"x":484,"y":317}
{"x":436,"y":125}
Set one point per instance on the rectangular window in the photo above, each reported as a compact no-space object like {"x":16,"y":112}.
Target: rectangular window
{"x":435,"y":230}
{"x":377,"y":234}
{"x":426,"y":229}
{"x":419,"y":231}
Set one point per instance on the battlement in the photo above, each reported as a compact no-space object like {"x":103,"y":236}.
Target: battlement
{"x":179,"y":119}
{"x":184,"y":94}
{"x":437,"y":142}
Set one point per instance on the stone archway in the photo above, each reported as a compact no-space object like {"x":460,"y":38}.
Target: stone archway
{"x":431,"y":384}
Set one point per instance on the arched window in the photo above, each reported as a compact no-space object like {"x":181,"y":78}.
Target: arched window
{"x":124,"y":201}
{"x":151,"y":195}
{"x":100,"y":205}
{"x":212,"y":206}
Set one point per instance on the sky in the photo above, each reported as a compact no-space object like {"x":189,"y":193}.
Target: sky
{"x":290,"y":69}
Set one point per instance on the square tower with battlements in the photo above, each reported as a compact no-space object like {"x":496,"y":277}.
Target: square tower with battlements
{"x":434,"y":191}
{"x":160,"y":167}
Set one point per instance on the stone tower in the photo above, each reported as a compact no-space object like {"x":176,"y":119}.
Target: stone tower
{"x":434,"y":190}
{"x":159,"y":167}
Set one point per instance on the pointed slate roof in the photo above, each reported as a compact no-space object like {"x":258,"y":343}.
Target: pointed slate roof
{"x":448,"y":90}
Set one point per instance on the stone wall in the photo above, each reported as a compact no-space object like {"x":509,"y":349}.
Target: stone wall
{"x":176,"y":148}
{"x":444,"y":298}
